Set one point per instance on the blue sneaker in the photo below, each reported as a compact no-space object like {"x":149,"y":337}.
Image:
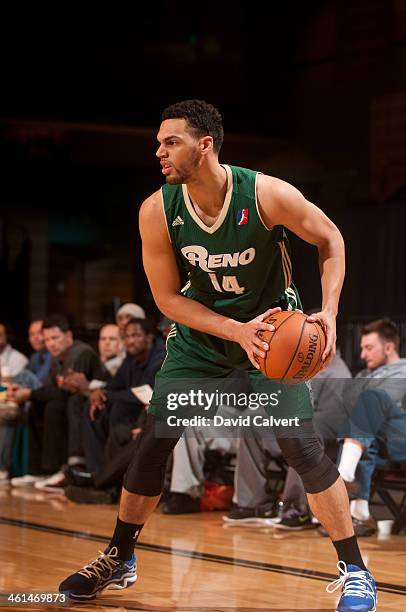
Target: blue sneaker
{"x":105,"y":572}
{"x":359,"y":589}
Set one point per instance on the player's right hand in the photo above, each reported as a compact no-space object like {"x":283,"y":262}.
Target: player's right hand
{"x":247,"y":336}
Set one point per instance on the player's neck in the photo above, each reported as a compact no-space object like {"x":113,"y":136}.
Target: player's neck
{"x":207,"y":189}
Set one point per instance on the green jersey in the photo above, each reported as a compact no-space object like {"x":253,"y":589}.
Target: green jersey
{"x":237,"y":267}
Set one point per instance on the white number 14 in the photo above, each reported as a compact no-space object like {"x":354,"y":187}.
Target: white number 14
{"x":230,"y":283}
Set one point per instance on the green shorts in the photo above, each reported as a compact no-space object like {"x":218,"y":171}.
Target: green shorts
{"x":196,"y":357}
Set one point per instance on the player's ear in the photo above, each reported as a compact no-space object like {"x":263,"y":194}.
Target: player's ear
{"x":206,"y":144}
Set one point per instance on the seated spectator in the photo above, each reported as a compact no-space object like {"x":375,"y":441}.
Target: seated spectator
{"x":40,"y":361}
{"x":377,"y":427}
{"x":116,"y":404}
{"x":11,"y":360}
{"x":110,"y":439}
{"x":111,"y":353}
{"x":55,"y":412}
{"x":125,"y":313}
{"x":385,"y":371}
{"x":8,"y":426}
{"x":376,"y":430}
{"x":12,"y":363}
{"x":111,"y":350}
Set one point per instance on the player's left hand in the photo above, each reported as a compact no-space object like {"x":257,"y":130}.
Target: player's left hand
{"x":328,"y":322}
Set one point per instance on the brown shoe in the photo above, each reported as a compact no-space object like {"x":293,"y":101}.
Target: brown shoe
{"x":365,"y":528}
{"x":362,"y":529}
{"x":352,"y":488}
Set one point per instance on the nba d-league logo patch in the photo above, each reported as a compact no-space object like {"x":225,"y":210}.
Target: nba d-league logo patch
{"x":242,"y":216}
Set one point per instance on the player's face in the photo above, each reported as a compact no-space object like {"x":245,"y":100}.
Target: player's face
{"x":178,"y":152}
{"x":374,"y":351}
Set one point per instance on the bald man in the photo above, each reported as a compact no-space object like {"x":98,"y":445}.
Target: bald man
{"x":111,"y":350}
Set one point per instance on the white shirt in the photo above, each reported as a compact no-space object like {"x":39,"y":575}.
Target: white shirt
{"x":13,"y":360}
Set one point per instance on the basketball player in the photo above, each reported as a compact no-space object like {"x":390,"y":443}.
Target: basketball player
{"x":224,"y":227}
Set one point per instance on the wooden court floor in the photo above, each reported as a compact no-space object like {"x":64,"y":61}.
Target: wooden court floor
{"x":190,"y":563}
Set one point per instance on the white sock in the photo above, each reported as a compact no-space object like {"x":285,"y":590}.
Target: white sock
{"x":360,"y":509}
{"x":349,"y":460}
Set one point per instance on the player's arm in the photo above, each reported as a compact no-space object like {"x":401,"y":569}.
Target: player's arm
{"x":163,"y":276}
{"x":282,"y":204}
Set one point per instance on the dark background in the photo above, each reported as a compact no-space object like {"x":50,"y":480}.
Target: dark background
{"x":312,"y":92}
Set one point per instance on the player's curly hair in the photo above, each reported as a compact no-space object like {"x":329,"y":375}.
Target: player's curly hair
{"x":202,"y":119}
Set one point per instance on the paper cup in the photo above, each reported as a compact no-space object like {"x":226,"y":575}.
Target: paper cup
{"x":385,"y":527}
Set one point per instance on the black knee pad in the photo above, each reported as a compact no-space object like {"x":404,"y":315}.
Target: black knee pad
{"x":305,"y":454}
{"x":320,"y":477}
{"x":146,"y":472}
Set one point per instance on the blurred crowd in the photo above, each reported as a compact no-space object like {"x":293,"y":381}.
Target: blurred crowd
{"x":70,"y":417}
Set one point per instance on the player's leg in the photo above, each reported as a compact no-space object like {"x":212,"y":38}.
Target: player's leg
{"x":116,"y":566}
{"x":328,"y":500}
{"x":143,"y":482}
{"x":303,"y":451}
{"x":324,"y":487}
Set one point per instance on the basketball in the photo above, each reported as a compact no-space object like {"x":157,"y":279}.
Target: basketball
{"x":295,"y":347}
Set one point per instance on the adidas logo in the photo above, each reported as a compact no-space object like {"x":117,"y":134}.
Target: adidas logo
{"x":178,"y":221}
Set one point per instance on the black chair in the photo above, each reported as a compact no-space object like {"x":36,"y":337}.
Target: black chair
{"x":387,"y":479}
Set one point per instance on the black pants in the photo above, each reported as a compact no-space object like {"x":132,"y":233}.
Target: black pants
{"x":48,"y":436}
{"x":96,"y":434}
{"x":76,"y":406}
{"x":115,"y":465}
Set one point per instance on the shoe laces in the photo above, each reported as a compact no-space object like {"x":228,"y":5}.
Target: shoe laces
{"x":106,"y":561}
{"x":357,"y":586}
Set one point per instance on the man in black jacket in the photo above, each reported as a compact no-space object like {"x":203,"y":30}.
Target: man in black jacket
{"x":116,"y":410}
{"x":55,"y":411}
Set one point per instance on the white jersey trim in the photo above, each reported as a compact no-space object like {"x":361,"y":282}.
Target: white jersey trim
{"x":224,"y":210}
{"x":268,"y":229}
{"x":286,"y":264}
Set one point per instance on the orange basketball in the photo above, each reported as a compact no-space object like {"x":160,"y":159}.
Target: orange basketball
{"x":295,"y":347}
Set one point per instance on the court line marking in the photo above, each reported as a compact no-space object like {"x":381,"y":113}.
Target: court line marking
{"x":124,"y":604}
{"x":385,"y":587}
